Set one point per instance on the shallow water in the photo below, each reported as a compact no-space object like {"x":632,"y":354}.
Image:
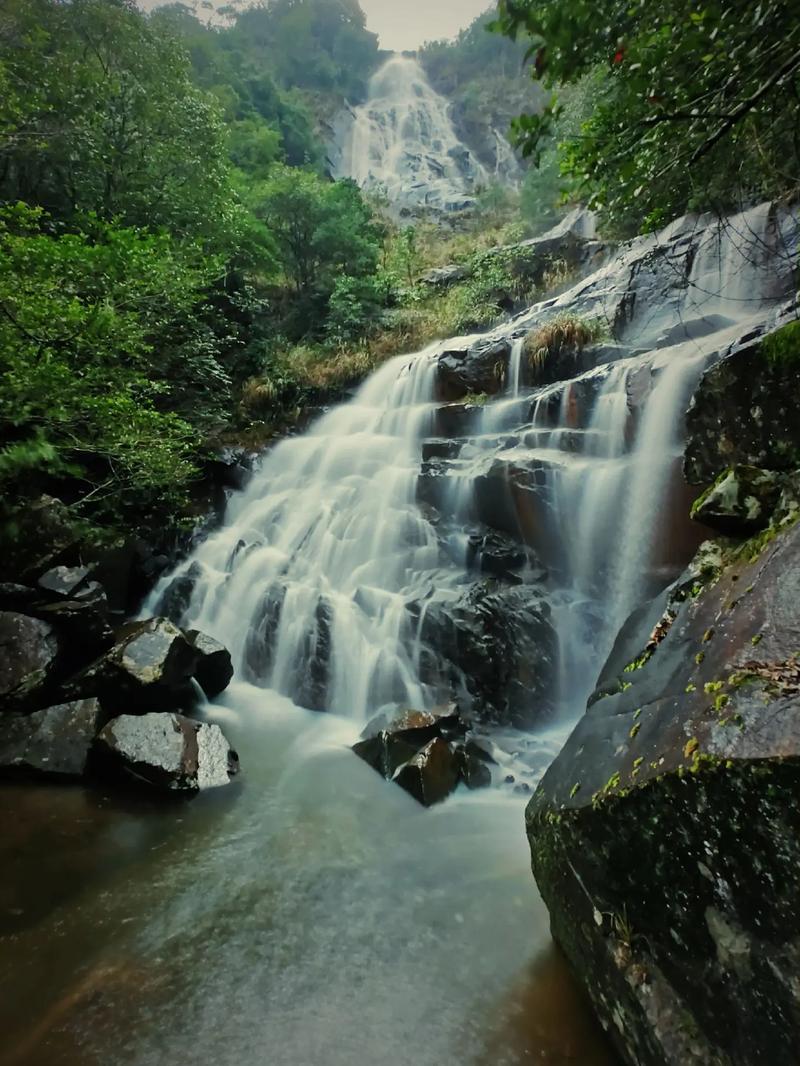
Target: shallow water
{"x":312,"y":913}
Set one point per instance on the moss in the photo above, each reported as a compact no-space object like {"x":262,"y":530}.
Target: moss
{"x":634,"y":730}
{"x":690,"y":747}
{"x":783,"y":346}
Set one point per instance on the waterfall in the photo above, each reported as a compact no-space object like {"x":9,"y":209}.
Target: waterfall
{"x":401,"y":143}
{"x":343,"y":573}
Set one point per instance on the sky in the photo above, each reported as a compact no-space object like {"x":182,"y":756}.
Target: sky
{"x":406,"y":24}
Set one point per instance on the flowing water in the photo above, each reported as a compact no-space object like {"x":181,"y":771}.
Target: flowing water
{"x":401,"y":142}
{"x":313,"y":913}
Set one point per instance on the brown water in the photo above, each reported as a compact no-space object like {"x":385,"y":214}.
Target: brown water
{"x":311,"y":914}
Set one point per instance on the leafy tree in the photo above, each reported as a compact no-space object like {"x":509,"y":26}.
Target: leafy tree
{"x":698,"y":106}
{"x":103,"y":118}
{"x":86,"y":322}
{"x":323,"y":229}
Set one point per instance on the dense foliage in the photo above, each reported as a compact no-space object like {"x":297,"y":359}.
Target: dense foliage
{"x":697,"y":106}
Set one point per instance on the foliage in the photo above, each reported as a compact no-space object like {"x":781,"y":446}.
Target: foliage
{"x":103,"y":118}
{"x":83,"y":322}
{"x":696,"y":107}
{"x":783,"y":346}
{"x":565,"y":333}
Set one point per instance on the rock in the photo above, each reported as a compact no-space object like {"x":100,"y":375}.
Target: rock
{"x":150,"y":667}
{"x":492,"y":552}
{"x":174,"y":601}
{"x":665,"y":836}
{"x":47,"y":536}
{"x":446,"y":276}
{"x":64,"y":581}
{"x":472,"y":763}
{"x":743,"y":413}
{"x":165,"y":752}
{"x":55,"y":742}
{"x":742,"y":500}
{"x":497,"y":646}
{"x":214,"y":670}
{"x":28,"y":652}
{"x":432,"y":774}
{"x":83,"y":621}
{"x":17,"y":597}
{"x":476,"y":369}
{"x":390,"y":741}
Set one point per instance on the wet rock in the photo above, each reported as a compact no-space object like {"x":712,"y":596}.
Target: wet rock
{"x":214,"y":669}
{"x":164,"y":752}
{"x":740,"y":501}
{"x":55,"y":742}
{"x":492,"y":552}
{"x":473,"y":766}
{"x":496,"y":644}
{"x":665,"y":837}
{"x":28,"y":652}
{"x":744,"y":413}
{"x":150,"y":667}
{"x":432,"y":774}
{"x":175,"y":600}
{"x":476,"y":369}
{"x":64,"y":582}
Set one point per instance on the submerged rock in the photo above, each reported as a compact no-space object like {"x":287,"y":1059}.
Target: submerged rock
{"x":29,"y":650}
{"x":165,"y":752}
{"x":665,"y":838}
{"x":55,"y":742}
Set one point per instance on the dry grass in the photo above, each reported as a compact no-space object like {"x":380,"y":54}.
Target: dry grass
{"x":567,"y":333}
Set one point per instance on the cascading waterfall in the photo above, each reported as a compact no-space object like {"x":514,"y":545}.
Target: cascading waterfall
{"x":402,"y":143}
{"x":325,"y":576}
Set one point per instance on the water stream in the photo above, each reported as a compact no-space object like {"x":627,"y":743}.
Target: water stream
{"x":314,"y":913}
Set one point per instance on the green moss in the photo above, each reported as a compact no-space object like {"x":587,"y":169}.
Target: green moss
{"x":783,"y":346}
{"x":634,"y":730}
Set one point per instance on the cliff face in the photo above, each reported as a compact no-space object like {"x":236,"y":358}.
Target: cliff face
{"x":665,"y":838}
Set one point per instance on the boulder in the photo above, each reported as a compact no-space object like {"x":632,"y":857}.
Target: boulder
{"x":477,"y":368}
{"x":150,"y":667}
{"x":744,"y":412}
{"x":214,"y":670}
{"x":665,"y":837}
{"x":496,"y":645}
{"x":388,"y":742}
{"x":47,"y":536}
{"x":741,"y":501}
{"x":64,"y":582}
{"x":164,"y":752}
{"x":55,"y":742}
{"x":432,"y":774}
{"x":446,"y":276}
{"x":28,"y":653}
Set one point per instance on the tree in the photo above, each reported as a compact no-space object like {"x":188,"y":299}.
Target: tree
{"x":103,"y":117}
{"x":698,"y":106}
{"x":323,"y":229}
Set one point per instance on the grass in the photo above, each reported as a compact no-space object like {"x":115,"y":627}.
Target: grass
{"x":564,"y":334}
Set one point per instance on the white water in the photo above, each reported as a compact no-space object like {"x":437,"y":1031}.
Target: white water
{"x":402,"y":143}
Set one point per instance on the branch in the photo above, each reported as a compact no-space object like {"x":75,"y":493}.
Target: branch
{"x":791,"y":64}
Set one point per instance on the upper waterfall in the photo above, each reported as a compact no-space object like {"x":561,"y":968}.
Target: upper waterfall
{"x":402,"y":142}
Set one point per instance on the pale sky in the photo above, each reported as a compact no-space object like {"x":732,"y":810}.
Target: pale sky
{"x":403,"y":24}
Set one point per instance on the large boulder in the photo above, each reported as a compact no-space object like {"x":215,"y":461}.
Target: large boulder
{"x":665,"y":838}
{"x":55,"y":742}
{"x":742,"y":500}
{"x":29,"y":653}
{"x":150,"y":667}
{"x":214,"y":669}
{"x":476,"y":368}
{"x":496,"y":645}
{"x":164,"y":752}
{"x":431,"y":774}
{"x":744,"y":410}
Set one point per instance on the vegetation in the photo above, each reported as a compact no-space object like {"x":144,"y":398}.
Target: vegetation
{"x":563,"y":334}
{"x":695,"y":103}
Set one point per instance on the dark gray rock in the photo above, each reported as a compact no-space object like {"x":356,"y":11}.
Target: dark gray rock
{"x":214,"y":670}
{"x":28,"y":653}
{"x":164,"y":752}
{"x":177,"y":596}
{"x":497,"y":646}
{"x":150,"y":667}
{"x":475,"y":369}
{"x":744,"y":412}
{"x":446,"y":276}
{"x":665,"y":837}
{"x":55,"y":742}
{"x":64,"y":582}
